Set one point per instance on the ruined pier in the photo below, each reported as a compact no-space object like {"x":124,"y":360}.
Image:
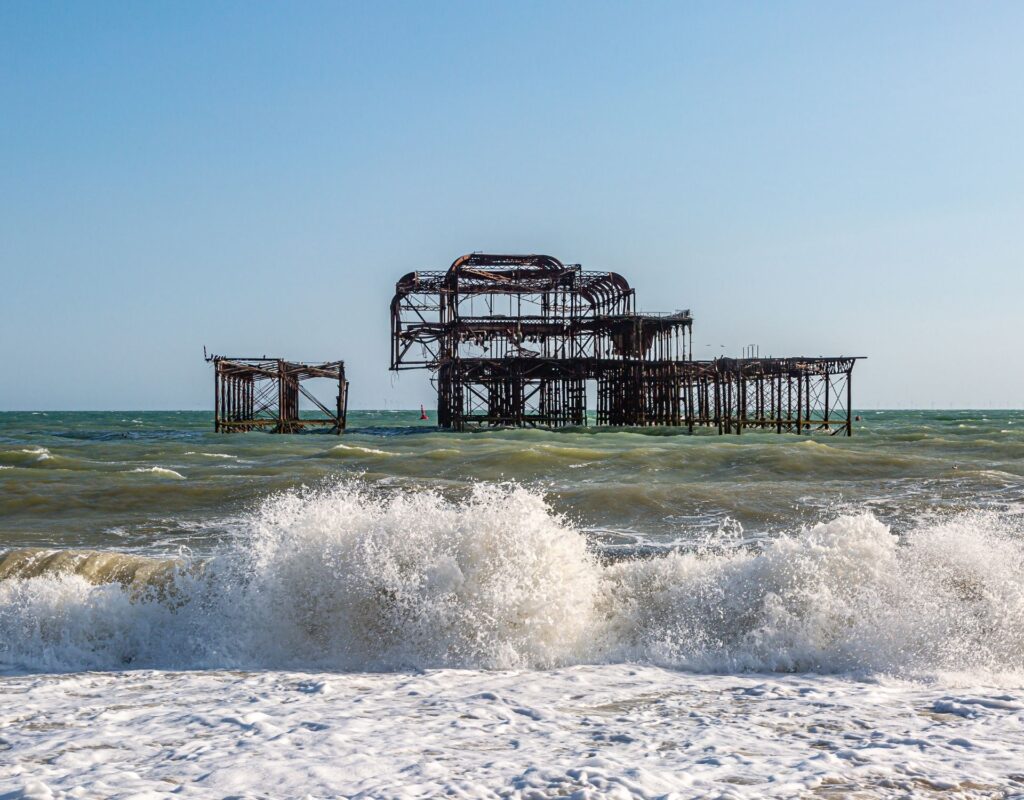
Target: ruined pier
{"x":522,"y":340}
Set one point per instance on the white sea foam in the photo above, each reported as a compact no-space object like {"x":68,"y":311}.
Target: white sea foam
{"x":209,"y":455}
{"x":41,"y":453}
{"x":844,"y":595}
{"x":603,"y":731}
{"x":344,"y":579}
{"x":341,"y":449}
{"x":163,"y":471}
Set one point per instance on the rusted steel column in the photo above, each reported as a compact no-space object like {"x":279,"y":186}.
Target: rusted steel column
{"x":778,"y":404}
{"x":280,"y":397}
{"x":689,"y":405}
{"x":828,"y":408}
{"x":718,"y":404}
{"x":741,"y":401}
{"x":340,"y":421}
{"x":789,"y":401}
{"x":799,"y":404}
{"x":849,"y":402}
{"x":807,"y":401}
{"x":216,"y":397}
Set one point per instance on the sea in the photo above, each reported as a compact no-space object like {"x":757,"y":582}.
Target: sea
{"x":405,"y":612}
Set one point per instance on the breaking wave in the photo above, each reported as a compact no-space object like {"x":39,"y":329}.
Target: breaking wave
{"x":26,"y":456}
{"x":347,"y":579}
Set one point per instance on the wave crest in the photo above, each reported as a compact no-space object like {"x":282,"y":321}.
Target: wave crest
{"x":163,"y":472}
{"x":844,"y":595}
{"x":414,"y":580}
{"x":347,"y":579}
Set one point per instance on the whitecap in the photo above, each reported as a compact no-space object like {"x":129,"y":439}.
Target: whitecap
{"x":352,"y":448}
{"x":347,"y":579}
{"x":169,"y":473}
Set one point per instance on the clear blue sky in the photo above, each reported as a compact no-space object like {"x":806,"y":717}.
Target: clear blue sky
{"x":818,"y":178}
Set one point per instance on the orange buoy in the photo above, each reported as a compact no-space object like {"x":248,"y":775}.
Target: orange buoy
{"x":423,"y":412}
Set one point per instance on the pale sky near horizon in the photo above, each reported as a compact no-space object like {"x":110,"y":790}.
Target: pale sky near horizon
{"x":816,"y":178}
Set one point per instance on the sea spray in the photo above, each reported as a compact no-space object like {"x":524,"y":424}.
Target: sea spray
{"x":345,"y":578}
{"x":339,"y":578}
{"x":496,"y":580}
{"x":843,"y":595}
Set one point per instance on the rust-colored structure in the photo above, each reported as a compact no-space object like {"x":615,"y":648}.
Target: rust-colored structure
{"x":263,"y":394}
{"x":515,"y":340}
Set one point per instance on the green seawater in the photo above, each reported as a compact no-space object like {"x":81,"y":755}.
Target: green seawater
{"x":157,"y":482}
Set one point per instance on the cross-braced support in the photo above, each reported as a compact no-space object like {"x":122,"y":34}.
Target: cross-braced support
{"x":263,"y":394}
{"x":793,"y":395}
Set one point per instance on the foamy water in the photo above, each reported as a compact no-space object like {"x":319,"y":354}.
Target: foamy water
{"x":413,"y":633}
{"x":615,"y":731}
{"x":356,"y":579}
{"x":163,"y":472}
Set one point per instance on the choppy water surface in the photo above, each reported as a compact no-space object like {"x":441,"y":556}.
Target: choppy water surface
{"x":152,"y":482}
{"x":896,"y":551}
{"x":403,"y":612}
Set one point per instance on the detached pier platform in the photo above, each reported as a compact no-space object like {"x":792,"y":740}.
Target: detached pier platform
{"x":263,"y":394}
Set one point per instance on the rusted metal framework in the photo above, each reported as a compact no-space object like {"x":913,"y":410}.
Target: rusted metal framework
{"x":263,"y":394}
{"x":514,"y":340}
{"x":785,"y":395}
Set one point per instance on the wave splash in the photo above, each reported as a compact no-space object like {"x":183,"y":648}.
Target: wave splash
{"x":345,"y":579}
